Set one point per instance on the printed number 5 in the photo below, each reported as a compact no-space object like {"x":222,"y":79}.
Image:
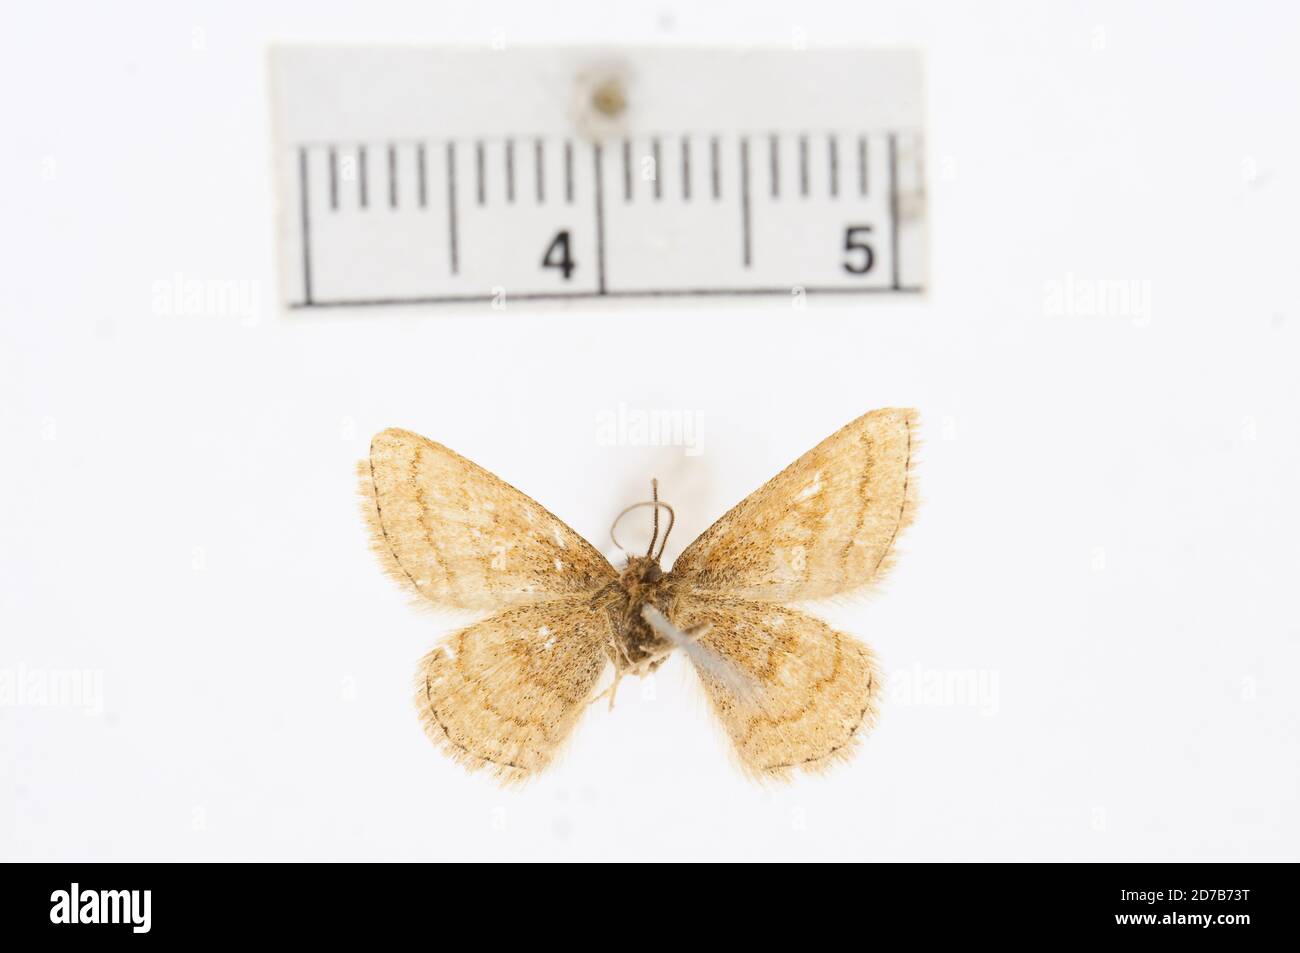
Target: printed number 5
{"x":558,"y":256}
{"x":855,"y":242}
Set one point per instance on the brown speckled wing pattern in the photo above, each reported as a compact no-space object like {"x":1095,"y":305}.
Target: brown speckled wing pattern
{"x":461,"y":537}
{"x":506,"y":693}
{"x":825,"y":526}
{"x":813,"y":689}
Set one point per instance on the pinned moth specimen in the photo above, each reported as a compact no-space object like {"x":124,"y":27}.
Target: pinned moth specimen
{"x":505,"y":692}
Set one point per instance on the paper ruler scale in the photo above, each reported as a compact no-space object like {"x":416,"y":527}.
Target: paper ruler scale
{"x":414,"y":177}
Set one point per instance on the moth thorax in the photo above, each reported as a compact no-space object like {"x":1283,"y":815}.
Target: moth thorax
{"x":641,"y":572}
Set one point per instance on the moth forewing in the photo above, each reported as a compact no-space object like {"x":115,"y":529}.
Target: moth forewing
{"x":824,"y":526}
{"x":463,"y":538}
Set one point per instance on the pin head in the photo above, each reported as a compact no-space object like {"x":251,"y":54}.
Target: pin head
{"x":609,"y":97}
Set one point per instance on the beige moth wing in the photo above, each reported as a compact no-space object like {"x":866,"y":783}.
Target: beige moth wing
{"x":506,"y":691}
{"x":809,"y":691}
{"x":825,"y":526}
{"x":463,"y":538}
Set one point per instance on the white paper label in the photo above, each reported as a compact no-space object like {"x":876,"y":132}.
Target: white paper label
{"x":431,"y":176}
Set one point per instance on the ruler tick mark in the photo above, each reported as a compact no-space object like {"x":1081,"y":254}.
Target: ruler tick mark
{"x":539,"y":165}
{"x":451,"y":206}
{"x":362,"y":184}
{"x":803,"y":166}
{"x":478,"y":172}
{"x":600,"y":219}
{"x":421,"y":176}
{"x":862,"y":165}
{"x":334,"y":179}
{"x":306,"y":225}
{"x":658,"y":177}
{"x":774,"y":169}
{"x":746,"y":238}
{"x":893,"y":210}
{"x":686,"y":168}
{"x":510,"y":171}
{"x":627,"y":170}
{"x":392,"y":176}
{"x":713,"y":171}
{"x":832,"y":146}
{"x":568,"y":171}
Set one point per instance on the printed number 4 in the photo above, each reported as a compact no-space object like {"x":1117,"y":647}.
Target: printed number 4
{"x":558,"y":255}
{"x":855,"y":243}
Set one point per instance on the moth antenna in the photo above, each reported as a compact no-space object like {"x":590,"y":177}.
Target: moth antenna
{"x":657,"y":504}
{"x":672,"y":518}
{"x":654,"y":535}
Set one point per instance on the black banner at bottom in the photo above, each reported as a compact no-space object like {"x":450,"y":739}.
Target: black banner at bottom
{"x":98,"y":903}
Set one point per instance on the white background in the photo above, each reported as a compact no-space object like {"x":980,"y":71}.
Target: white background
{"x":1109,"y":525}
